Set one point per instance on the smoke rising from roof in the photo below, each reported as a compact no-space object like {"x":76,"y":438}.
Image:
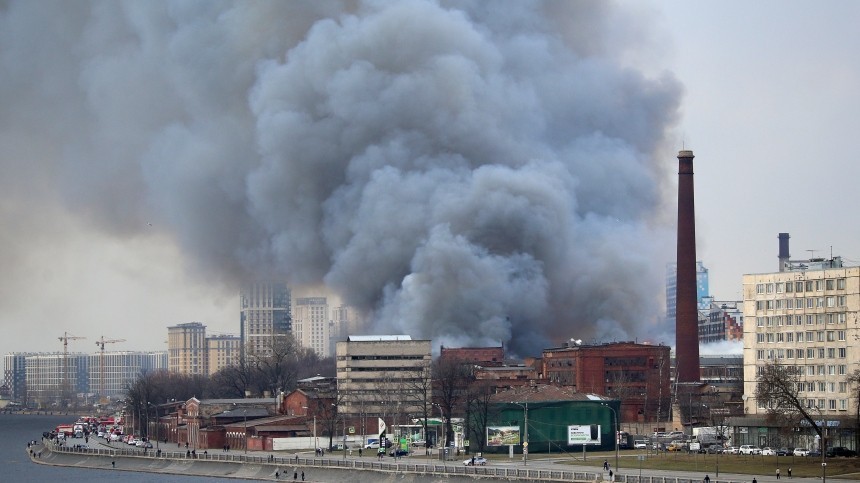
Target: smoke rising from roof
{"x":469,"y":174}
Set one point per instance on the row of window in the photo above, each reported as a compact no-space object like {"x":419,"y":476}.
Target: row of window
{"x":809,"y":353}
{"x":808,"y":336}
{"x":822,"y":404}
{"x":822,"y":386}
{"x":812,"y":319}
{"x":801,"y":286}
{"x":814,"y":370}
{"x":829,"y":301}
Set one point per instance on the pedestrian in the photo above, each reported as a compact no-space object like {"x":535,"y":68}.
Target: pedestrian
{"x":113,"y":464}
{"x":295,"y":475}
{"x":359,"y":452}
{"x":754,"y":480}
{"x":789,"y":471}
{"x":605,"y":465}
{"x":303,"y":475}
{"x":777,"y":473}
{"x":707,"y":479}
{"x":610,"y":475}
{"x":277,"y":475}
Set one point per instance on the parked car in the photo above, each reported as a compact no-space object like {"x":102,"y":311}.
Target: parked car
{"x":419,"y":443}
{"x":768,"y":451}
{"x":749,"y":449}
{"x":478,"y":461}
{"x":814,"y":453}
{"x":676,"y":446}
{"x":640,"y":444}
{"x":840,"y":451}
{"x":801,"y":452}
{"x":715,"y":449}
{"x":784,"y":451}
{"x":731,"y":450}
{"x":372,"y":444}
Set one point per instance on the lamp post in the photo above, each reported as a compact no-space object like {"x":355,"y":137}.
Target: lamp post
{"x":442,"y":422}
{"x":156,"y":423}
{"x":316,"y":441}
{"x":526,"y":429}
{"x":245,"y":428}
{"x":617,"y":432}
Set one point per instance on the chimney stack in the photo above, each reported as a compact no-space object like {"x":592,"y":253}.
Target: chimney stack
{"x":686,"y":310}
{"x":783,"y":251}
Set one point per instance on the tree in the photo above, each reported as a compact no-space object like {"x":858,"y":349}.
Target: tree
{"x":777,"y":389}
{"x":854,"y":381}
{"x":451,"y":380}
{"x":156,"y":387}
{"x":279,"y":367}
{"x":479,"y":413}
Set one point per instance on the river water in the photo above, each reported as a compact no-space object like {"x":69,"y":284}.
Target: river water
{"x":15,"y":465}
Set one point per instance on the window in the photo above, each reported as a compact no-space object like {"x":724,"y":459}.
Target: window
{"x":843,"y":386}
{"x":789,"y":336}
{"x":820,"y":370}
{"x":843,"y":404}
{"x":819,"y":285}
{"x":759,"y":304}
{"x":810,"y":303}
{"x":769,"y":338}
{"x":810,"y":336}
{"x":780,"y":303}
{"x":810,"y":353}
{"x":769,"y":288}
{"x":840,"y":301}
{"x":810,"y":387}
{"x":798,"y":286}
{"x":798,"y":319}
{"x":819,"y":319}
{"x":768,"y":321}
{"x":820,"y":335}
{"x":831,"y":370}
{"x":831,"y":352}
{"x":759,"y":354}
{"x":780,"y":354}
{"x":821,"y":352}
{"x":830,"y":284}
{"x":789,"y":304}
{"x":780,"y":337}
{"x":809,"y":285}
{"x":822,"y":387}
{"x":780,"y":287}
{"x":832,"y":403}
{"x":770,"y":305}
{"x":830,"y":301}
{"x":759,"y":338}
{"x":840,"y":284}
{"x":789,"y":353}
{"x":841,"y":369}
{"x":759,"y":321}
{"x":831,"y":336}
{"x":842,"y":318}
{"x":788,"y":287}
{"x":841,"y":352}
{"x":759,"y":288}
{"x":810,"y":320}
{"x":840,"y":335}
{"x":819,"y":302}
{"x":800,"y":336}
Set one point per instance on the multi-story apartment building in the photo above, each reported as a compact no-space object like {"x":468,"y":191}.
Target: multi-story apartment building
{"x":805,"y":316}
{"x":110,"y":373}
{"x":54,"y":377}
{"x":312,"y":325}
{"x":222,"y":351}
{"x":187,"y":349}
{"x":15,"y":375}
{"x":385,"y":376}
{"x":723,"y":320}
{"x":702,"y":289}
{"x":265,"y":315}
{"x":637,"y":374}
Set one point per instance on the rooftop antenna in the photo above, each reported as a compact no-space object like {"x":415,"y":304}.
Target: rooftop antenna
{"x":811,"y":254}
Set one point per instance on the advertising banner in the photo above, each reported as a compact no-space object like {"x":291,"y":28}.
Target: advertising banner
{"x":503,"y":435}
{"x":585,"y":434}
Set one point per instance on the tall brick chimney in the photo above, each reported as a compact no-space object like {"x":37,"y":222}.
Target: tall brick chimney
{"x":686,"y":311}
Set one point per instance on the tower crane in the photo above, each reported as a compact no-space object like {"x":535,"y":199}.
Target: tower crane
{"x":101,"y":343}
{"x":66,"y":338}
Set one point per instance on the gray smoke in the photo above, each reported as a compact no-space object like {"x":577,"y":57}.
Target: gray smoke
{"x":469,"y":172}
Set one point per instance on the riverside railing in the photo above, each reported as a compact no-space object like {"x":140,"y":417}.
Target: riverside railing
{"x":533,"y":473}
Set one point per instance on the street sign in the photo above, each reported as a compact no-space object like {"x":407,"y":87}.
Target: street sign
{"x":352,"y":430}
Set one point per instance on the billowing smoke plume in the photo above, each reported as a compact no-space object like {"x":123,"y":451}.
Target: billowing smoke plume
{"x":473,"y":173}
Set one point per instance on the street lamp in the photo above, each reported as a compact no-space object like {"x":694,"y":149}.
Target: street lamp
{"x":617,"y":432}
{"x":442,"y":422}
{"x":316,"y":441}
{"x":526,"y":428}
{"x":245,"y":424}
{"x":156,"y":423}
{"x":344,"y":429}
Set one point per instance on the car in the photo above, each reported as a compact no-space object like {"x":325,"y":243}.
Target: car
{"x":784,"y":451}
{"x":676,"y":446}
{"x":840,"y":451}
{"x":640,"y":444}
{"x":372,"y":445}
{"x":731,"y":450}
{"x":419,"y":443}
{"x":801,"y":452}
{"x":814,"y":453}
{"x":768,"y":451}
{"x":715,"y":449}
{"x":398,"y":452}
{"x":476,"y":461}
{"x":749,"y":449}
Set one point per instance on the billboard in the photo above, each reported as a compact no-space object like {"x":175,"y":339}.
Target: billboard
{"x":585,"y":434}
{"x":503,"y":435}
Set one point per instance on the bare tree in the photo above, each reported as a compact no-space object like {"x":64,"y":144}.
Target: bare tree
{"x":854,"y":381}
{"x":451,"y":380}
{"x":278,"y":368}
{"x":777,"y":389}
{"x":479,"y":413}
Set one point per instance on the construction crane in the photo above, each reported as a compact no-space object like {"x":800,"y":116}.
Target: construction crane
{"x":101,"y":343}
{"x":66,"y":338}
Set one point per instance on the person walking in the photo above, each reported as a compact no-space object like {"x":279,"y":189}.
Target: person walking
{"x":777,"y":473}
{"x":789,"y":471}
{"x":754,"y":480}
{"x":303,"y":475}
{"x":707,"y":479}
{"x":605,"y":465}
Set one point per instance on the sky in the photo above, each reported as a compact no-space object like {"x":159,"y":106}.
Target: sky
{"x":501,"y":176}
